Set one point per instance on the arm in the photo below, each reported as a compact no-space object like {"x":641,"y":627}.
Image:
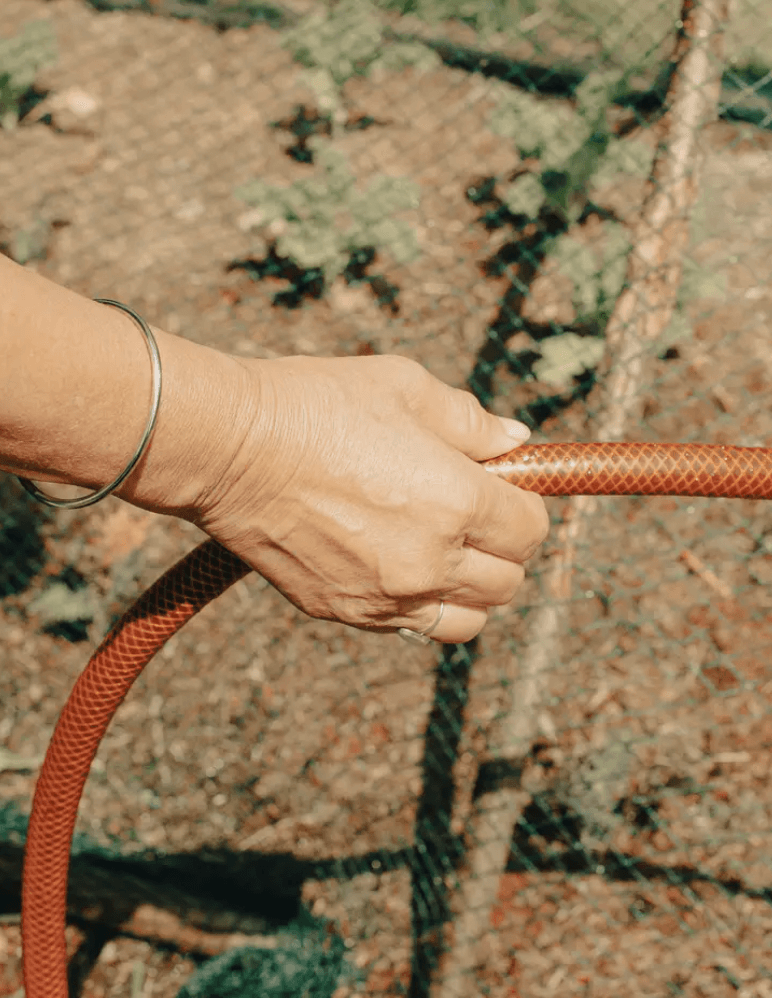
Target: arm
{"x":75,"y":394}
{"x":352,"y":484}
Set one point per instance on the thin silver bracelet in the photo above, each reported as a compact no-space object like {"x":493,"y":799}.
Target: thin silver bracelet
{"x":155,"y":361}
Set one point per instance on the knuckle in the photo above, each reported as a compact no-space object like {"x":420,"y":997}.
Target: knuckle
{"x":538,"y":522}
{"x":407,"y":380}
{"x":470,"y":411}
{"x":511,"y":585}
{"x":404,"y":369}
{"x":518,"y":577}
{"x":543,"y":525}
{"x":462,"y":507}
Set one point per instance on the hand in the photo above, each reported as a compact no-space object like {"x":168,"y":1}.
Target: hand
{"x":353,"y":487}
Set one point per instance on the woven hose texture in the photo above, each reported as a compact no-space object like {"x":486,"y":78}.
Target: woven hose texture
{"x":562,"y":208}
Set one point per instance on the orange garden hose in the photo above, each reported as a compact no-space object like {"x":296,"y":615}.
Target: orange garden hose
{"x":205,"y":573}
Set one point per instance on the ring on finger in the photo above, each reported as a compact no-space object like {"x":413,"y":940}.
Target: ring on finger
{"x":421,"y":637}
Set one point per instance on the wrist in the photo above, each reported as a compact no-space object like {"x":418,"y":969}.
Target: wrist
{"x":203,"y":416}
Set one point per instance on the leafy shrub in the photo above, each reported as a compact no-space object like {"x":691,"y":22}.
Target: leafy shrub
{"x":573,"y":156}
{"x":624,"y":35}
{"x":597,"y":278}
{"x":349,"y":40}
{"x":565,"y":357}
{"x":324,"y":221}
{"x":576,"y":152}
{"x":307,"y":960}
{"x":483,"y":15}
{"x":21,"y":56}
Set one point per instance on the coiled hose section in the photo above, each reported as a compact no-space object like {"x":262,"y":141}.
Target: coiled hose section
{"x":201,"y":576}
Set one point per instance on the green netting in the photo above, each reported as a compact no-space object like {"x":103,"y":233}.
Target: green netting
{"x":578,"y":801}
{"x":309,"y":963}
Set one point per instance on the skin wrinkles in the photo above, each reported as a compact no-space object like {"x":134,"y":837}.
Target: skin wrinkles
{"x":353,"y":484}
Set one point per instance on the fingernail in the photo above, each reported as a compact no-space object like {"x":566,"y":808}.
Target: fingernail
{"x":514,"y":429}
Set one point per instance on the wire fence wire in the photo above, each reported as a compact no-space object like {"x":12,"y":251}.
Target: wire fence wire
{"x":562,"y":207}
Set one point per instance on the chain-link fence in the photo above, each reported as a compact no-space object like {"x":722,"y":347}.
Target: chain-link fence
{"x":562,"y":206}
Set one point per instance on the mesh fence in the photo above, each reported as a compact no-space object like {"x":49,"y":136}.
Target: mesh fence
{"x":561,"y":206}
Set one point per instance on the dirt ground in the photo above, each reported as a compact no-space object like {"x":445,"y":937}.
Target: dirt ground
{"x":310,"y":750}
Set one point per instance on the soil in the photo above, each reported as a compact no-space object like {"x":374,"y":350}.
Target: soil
{"x":318,"y":757}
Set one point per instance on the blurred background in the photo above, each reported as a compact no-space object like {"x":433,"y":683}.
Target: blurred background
{"x":561,"y":206}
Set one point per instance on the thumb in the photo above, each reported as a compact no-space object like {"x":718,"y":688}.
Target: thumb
{"x":461,"y":421}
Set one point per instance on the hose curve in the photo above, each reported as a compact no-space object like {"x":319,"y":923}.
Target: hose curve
{"x":205,"y":573}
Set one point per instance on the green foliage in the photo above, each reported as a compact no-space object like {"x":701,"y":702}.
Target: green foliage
{"x":31,"y":242}
{"x":597,"y":281}
{"x":597,"y":276}
{"x":400,"y":55}
{"x":485,"y":16}
{"x":594,"y":94}
{"x":308,"y":961}
{"x":327,"y":218}
{"x":576,"y":150}
{"x":525,"y":195}
{"x":13,"y":829}
{"x":697,"y":283}
{"x":58,"y":603}
{"x":552,"y":130}
{"x":549,"y":130}
{"x":13,"y":824}
{"x":631,"y":35}
{"x":577,"y":156}
{"x":349,"y":39}
{"x":21,"y":56}
{"x":565,"y":357}
{"x":628,"y":156}
{"x":678,"y":329}
{"x":343,"y":40}
{"x":626,"y":36}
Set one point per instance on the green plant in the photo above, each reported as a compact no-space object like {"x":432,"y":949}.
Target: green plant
{"x":324,"y":221}
{"x":484,"y":16}
{"x":305,"y":958}
{"x":573,"y":155}
{"x":21,"y":56}
{"x":345,"y":40}
{"x":624,"y":35}
{"x":566,"y":356}
{"x":597,"y":275}
{"x":576,"y":151}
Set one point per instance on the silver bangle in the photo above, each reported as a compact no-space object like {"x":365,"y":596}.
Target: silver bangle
{"x":155,"y":361}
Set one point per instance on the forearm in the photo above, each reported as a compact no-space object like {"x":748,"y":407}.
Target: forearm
{"x":75,"y":393}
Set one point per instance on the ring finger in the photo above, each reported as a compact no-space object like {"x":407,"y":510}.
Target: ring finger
{"x":481,"y":579}
{"x":457,"y":624}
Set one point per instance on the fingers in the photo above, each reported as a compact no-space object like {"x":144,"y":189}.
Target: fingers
{"x":356,"y":490}
{"x":485,"y":581}
{"x":505,"y":525}
{"x":458,"y":624}
{"x":503,"y":520}
{"x":458,"y":418}
{"x":506,"y":521}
